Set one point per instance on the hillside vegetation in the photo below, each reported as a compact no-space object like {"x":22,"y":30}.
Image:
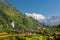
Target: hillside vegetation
{"x":9,"y":14}
{"x":15,"y":25}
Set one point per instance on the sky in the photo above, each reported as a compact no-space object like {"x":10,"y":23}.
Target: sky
{"x":47,"y":8}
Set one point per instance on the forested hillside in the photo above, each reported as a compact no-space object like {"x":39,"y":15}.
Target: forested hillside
{"x":9,"y":14}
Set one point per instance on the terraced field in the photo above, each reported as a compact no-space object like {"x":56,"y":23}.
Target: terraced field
{"x":7,"y":36}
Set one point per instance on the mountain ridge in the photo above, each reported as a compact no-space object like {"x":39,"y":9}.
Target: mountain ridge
{"x":54,"y":20}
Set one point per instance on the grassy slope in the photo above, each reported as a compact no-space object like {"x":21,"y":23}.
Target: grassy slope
{"x":9,"y":13}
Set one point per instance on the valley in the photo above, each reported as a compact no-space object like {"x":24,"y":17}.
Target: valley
{"x":16,"y":25}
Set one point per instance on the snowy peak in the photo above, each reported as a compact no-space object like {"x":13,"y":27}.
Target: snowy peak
{"x":54,"y":20}
{"x":36,"y":16}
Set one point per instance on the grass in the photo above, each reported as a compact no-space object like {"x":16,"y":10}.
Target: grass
{"x":5,"y":35}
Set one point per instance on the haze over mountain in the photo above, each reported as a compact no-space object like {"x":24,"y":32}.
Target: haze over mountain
{"x":54,"y":20}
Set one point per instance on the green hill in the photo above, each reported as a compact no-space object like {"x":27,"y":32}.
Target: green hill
{"x":9,"y":14}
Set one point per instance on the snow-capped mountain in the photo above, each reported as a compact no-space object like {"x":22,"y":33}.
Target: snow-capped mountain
{"x":54,"y":20}
{"x":36,"y":16}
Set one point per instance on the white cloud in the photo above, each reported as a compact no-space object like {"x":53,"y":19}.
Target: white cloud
{"x":36,"y":16}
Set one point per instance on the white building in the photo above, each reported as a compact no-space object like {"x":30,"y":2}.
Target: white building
{"x":13,"y":24}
